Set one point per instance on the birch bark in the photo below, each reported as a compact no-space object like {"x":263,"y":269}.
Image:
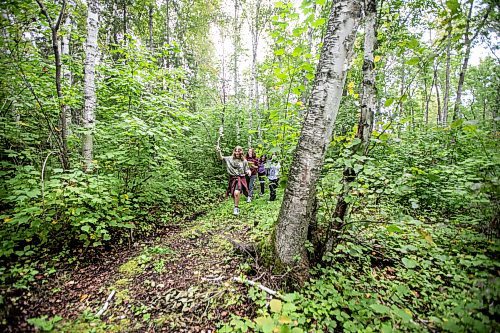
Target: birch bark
{"x":446,"y":94}
{"x":66,"y":72}
{"x":365,"y":125}
{"x":298,"y":204}
{"x":89,"y":83}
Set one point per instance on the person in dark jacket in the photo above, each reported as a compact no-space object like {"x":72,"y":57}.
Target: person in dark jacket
{"x":253,"y":164}
{"x":273,"y":167}
{"x":261,"y":171}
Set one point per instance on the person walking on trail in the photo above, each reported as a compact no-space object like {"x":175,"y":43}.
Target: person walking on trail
{"x":261,"y":171}
{"x":253,"y":164}
{"x":237,"y":168}
{"x":273,"y":167}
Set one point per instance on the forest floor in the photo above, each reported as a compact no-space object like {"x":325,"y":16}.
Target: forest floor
{"x":178,"y":280}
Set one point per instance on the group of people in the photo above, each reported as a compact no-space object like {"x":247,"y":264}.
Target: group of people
{"x":243,"y":171}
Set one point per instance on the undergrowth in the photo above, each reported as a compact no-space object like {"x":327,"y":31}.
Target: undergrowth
{"x":401,"y":275}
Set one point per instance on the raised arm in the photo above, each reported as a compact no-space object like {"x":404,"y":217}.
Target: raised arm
{"x":219,"y":153}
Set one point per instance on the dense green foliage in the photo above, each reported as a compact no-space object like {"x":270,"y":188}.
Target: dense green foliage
{"x":412,"y":256}
{"x":145,"y":138}
{"x":419,"y":248}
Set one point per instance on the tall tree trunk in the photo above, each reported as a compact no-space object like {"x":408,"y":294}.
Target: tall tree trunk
{"x":54,"y":28}
{"x":167,"y":34}
{"x":236,"y":45}
{"x":67,"y":75}
{"x":365,"y":125}
{"x":400,"y":101}
{"x":89,"y":78}
{"x":254,"y":86}
{"x":297,"y":208}
{"x":446,"y":95}
{"x":125,"y":23}
{"x":468,"y":44}
{"x":484,"y":109}
{"x":150,"y":25}
{"x":439,"y":117}
{"x":368,"y":98}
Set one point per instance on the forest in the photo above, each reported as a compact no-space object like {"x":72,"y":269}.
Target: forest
{"x":379,"y":120}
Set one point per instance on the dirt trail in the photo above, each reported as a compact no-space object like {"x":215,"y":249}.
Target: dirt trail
{"x":176,"y":281}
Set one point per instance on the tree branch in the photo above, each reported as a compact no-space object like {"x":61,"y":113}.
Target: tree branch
{"x":45,"y":13}
{"x":61,"y":15}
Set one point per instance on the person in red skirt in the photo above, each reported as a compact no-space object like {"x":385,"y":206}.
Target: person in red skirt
{"x":237,"y":169}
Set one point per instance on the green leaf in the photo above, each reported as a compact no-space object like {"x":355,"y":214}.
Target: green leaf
{"x":394,"y":228}
{"x":409,"y":263}
{"x":279,"y":52}
{"x":284,"y":320}
{"x":453,"y":6}
{"x":266,"y":323}
{"x":380,"y":308}
{"x":457,"y":123}
{"x":297,"y":32}
{"x":413,"y":61}
{"x":354,"y":142}
{"x":388,"y":102}
{"x":275,"y":305}
{"x":412,"y":44}
{"x":387,"y":328}
{"x":318,"y":23}
{"x":405,"y":315}
{"x":297,"y":51}
{"x":85,"y":228}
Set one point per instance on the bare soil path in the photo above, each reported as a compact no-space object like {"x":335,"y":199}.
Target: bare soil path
{"x":176,"y":281}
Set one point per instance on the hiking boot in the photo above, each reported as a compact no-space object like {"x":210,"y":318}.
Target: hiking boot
{"x":236,"y":211}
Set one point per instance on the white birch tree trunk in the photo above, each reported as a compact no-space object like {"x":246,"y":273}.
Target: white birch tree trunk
{"x":446,"y":95}
{"x":297,"y":209}
{"x":236,"y":45}
{"x":365,"y":125}
{"x":438,"y":99}
{"x":67,"y":75}
{"x":89,"y":83}
{"x":254,"y":88}
{"x":368,"y":98}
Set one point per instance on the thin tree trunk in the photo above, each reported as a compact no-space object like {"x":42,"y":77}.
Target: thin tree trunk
{"x":472,"y":105}
{"x":468,"y":44}
{"x":236,"y":45}
{"x":67,"y":75}
{"x":167,"y":35}
{"x":365,"y":125}
{"x":150,"y":25}
{"x":439,"y":118}
{"x":125,"y":23}
{"x":297,"y":208}
{"x":484,"y":109}
{"x":254,"y":88}
{"x":446,"y":96}
{"x":54,"y":27}
{"x":427,"y":98}
{"x":89,"y":78}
